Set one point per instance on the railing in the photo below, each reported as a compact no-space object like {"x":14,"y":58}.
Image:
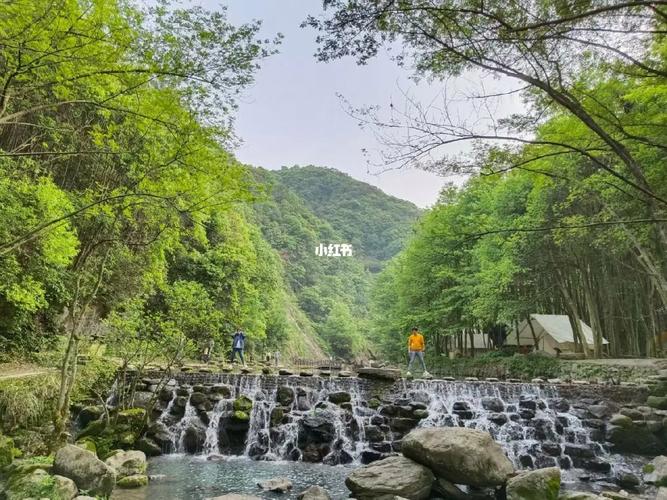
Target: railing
{"x":320,"y":364}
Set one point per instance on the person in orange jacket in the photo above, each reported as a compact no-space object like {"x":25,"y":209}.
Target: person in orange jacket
{"x":416,"y":347}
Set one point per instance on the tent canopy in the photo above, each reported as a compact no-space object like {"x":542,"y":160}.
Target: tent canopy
{"x":552,"y":331}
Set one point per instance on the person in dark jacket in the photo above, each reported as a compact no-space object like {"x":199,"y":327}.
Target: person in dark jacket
{"x":238,"y":345}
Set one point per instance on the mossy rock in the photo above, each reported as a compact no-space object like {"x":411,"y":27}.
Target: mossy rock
{"x":127,"y":439}
{"x":87,"y":444}
{"x":243,"y":404}
{"x":540,"y":484}
{"x":658,"y":402}
{"x":39,"y":484}
{"x":134,"y":481}
{"x":277,"y":415}
{"x":374,"y":403}
{"x":241,"y":416}
{"x":94,"y":428}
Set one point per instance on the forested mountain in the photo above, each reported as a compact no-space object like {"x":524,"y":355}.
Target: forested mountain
{"x":375,"y":224}
{"x":297,"y":216}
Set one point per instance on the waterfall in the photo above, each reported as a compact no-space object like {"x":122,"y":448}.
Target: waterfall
{"x":336,"y":420}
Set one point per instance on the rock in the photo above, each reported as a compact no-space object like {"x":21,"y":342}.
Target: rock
{"x":460,"y":455}
{"x":540,"y":484}
{"x":632,"y":413}
{"x":133,"y":481}
{"x":340,"y":397}
{"x":90,"y":413}
{"x":662,"y":494}
{"x":87,"y":444}
{"x":579,"y":495}
{"x":234,"y":496}
{"x":276,"y":417}
{"x":420,"y":414}
{"x":317,"y":427}
{"x":149,"y":447}
{"x":627,"y":479}
{"x":449,"y":490}
{"x":634,"y":439}
{"x":278,"y":485}
{"x":495,"y":405}
{"x":285,"y":395}
{"x":84,"y":497}
{"x":194,"y":437}
{"x":314,"y":493}
{"x":222,"y":389}
{"x":659,"y":402}
{"x":620,"y":420}
{"x":344,"y":374}
{"x":656,"y":471}
{"x":197,"y":398}
{"x":285,"y":372}
{"x":379,"y":373}
{"x":157,"y":477}
{"x":127,"y":463}
{"x":39,"y":484}
{"x":243,"y":403}
{"x":85,"y":469}
{"x":391,"y":476}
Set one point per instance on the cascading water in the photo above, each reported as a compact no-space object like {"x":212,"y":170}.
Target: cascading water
{"x":336,"y":420}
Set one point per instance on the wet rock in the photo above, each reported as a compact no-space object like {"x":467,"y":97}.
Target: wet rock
{"x":127,"y":463}
{"x":559,"y":404}
{"x":460,"y":455}
{"x":553,"y":449}
{"x":85,"y":469}
{"x":134,"y":481}
{"x":314,"y":493}
{"x":277,"y":415}
{"x":197,"y":398}
{"x":634,"y":439}
{"x":90,"y":413}
{"x":543,"y":462}
{"x":373,"y":433}
{"x":344,"y":374}
{"x":149,"y":447}
{"x":277,"y":485}
{"x":578,"y":451}
{"x":493,"y":404}
{"x":531,"y":404}
{"x":400,"y":424}
{"x":620,"y":420}
{"x":659,"y":402}
{"x":597,"y":466}
{"x":242,"y":403}
{"x":370,"y":456}
{"x":541,"y":484}
{"x":391,"y":476}
{"x":498,"y":418}
{"x":391,"y":374}
{"x":317,"y":428}
{"x":165,"y":394}
{"x":632,"y":413}
{"x":340,"y":397}
{"x":223,"y":390}
{"x":420,"y":414}
{"x":526,"y":413}
{"x":285,"y":395}
{"x":626,"y":479}
{"x":194,"y":437}
{"x":656,"y":471}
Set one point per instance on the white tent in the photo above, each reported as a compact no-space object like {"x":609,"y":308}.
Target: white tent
{"x":553,"y":331}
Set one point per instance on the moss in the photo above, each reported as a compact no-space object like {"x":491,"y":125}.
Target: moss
{"x":87,"y":444}
{"x":94,"y":428}
{"x":648,"y":468}
{"x":36,"y":484}
{"x":243,"y":403}
{"x":241,"y":416}
{"x":134,"y":481}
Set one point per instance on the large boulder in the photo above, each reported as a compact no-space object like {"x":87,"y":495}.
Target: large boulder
{"x":656,"y":471}
{"x":127,"y":463}
{"x":277,"y":485}
{"x":379,"y":373}
{"x":317,"y":427}
{"x":285,"y":395}
{"x":38,"y":484}
{"x":85,"y":469}
{"x":460,"y":455}
{"x":392,"y":476}
{"x":314,"y":493}
{"x":540,"y":484}
{"x":634,"y":439}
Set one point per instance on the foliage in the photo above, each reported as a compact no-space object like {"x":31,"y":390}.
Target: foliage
{"x":501,"y":366}
{"x":27,"y":402}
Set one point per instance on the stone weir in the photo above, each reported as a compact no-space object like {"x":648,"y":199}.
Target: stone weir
{"x":345,"y":420}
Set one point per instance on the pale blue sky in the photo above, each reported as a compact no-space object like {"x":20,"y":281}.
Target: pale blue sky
{"x":292,"y":114}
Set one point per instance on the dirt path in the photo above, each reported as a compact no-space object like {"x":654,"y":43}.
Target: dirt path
{"x":15,"y":370}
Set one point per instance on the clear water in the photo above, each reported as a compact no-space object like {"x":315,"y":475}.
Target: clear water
{"x":195,"y":478}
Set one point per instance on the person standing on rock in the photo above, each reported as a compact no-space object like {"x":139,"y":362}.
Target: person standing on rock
{"x":238,"y":345}
{"x":416,"y":348}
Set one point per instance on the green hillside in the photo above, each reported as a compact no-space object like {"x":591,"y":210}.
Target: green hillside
{"x":332,"y":292}
{"x":375,"y":223}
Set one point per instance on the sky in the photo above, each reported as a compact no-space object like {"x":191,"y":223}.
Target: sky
{"x":293,"y":114}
